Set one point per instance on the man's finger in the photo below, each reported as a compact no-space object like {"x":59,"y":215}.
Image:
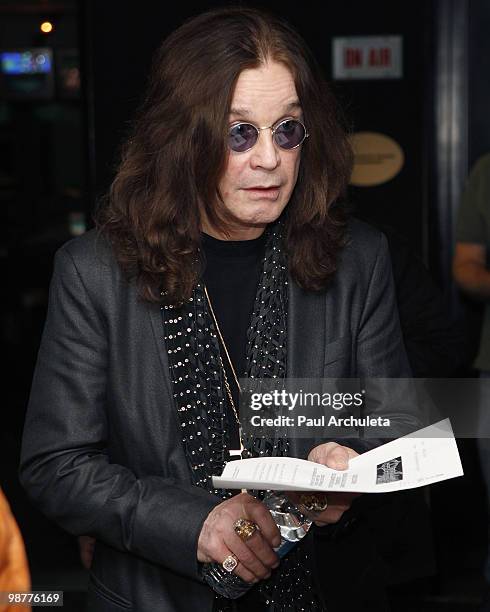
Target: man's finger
{"x":240,"y":570}
{"x":247,"y":556}
{"x":332,"y":452}
{"x":338,"y":458}
{"x":263,"y":519}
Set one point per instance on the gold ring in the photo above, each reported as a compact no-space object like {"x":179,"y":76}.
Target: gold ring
{"x":229,"y":563}
{"x":244,"y":528}
{"x":313,"y":502}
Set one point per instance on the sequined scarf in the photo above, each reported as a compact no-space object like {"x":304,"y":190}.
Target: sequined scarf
{"x":200,"y":400}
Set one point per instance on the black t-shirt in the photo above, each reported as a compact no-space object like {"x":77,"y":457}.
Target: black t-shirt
{"x":231,"y":275}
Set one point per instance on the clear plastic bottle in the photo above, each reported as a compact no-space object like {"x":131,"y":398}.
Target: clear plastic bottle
{"x":293,"y":527}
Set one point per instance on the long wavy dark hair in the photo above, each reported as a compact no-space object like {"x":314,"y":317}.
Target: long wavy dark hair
{"x":176,"y":153}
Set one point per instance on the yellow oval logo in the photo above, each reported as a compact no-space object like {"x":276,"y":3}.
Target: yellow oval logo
{"x":377,"y":159}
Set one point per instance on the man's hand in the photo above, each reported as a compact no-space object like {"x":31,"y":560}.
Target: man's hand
{"x":337,"y":457}
{"x":86,"y":545}
{"x":470,"y":269}
{"x":218,"y":538}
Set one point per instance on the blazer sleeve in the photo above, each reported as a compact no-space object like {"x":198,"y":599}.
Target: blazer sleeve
{"x":65,"y":467}
{"x":382,"y":362}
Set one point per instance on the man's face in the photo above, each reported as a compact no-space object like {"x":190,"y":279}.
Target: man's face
{"x":263,"y":96}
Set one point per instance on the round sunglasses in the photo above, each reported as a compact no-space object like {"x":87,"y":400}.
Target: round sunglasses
{"x":287,"y":134}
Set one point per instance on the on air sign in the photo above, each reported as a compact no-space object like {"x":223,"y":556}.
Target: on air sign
{"x":367,"y":57}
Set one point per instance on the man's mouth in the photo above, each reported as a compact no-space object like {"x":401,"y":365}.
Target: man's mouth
{"x":262,"y":188}
{"x":261,"y":192}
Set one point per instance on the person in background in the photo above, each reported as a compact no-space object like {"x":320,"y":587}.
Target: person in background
{"x":472,"y":275}
{"x":14,"y":569}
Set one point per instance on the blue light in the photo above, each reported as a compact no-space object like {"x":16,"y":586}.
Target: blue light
{"x":25,"y":62}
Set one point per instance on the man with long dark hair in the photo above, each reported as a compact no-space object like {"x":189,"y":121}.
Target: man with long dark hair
{"x":221,"y":251}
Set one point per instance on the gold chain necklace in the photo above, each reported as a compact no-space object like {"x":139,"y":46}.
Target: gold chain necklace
{"x":225,"y":378}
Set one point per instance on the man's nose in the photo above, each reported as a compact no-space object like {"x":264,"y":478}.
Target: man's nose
{"x":265,"y":153}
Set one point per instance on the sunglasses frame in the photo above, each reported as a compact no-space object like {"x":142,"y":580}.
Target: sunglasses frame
{"x":273,"y":128}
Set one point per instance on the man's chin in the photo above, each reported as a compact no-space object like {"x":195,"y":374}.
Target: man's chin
{"x":263,"y":217}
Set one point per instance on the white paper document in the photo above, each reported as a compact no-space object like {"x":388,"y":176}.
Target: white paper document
{"x":423,"y":457}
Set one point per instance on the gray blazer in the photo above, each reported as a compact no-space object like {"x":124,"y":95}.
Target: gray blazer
{"x":101,"y":452}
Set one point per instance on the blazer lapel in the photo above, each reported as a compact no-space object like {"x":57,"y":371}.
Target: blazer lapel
{"x":157,"y":326}
{"x":306,"y":332}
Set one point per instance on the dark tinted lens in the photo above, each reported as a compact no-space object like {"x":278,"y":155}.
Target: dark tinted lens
{"x":241,"y":137}
{"x":289,"y":134}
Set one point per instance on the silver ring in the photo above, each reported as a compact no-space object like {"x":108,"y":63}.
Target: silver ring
{"x":229,"y":563}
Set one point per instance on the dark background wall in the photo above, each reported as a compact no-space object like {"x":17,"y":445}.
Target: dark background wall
{"x":479,"y":81}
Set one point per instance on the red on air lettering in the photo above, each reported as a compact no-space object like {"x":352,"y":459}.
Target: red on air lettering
{"x":380,"y":57}
{"x":352,"y":57}
{"x":385,"y":53}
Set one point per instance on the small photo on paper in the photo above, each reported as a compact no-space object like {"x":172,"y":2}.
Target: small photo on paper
{"x":389,"y":471}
